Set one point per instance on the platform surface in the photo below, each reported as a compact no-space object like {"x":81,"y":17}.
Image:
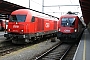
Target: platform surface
{"x":83,"y":50}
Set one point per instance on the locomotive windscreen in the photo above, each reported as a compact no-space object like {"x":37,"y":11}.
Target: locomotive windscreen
{"x":17,"y":18}
{"x":68,"y":22}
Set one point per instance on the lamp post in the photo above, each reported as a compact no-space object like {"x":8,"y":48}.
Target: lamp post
{"x":42,"y":5}
{"x":29,"y":4}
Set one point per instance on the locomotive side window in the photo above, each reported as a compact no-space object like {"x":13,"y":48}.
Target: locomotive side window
{"x":68,"y":21}
{"x":0,"y":20}
{"x":33,"y":19}
{"x":17,"y":18}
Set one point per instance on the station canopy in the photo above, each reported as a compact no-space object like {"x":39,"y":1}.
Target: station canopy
{"x":8,"y":7}
{"x":85,"y":7}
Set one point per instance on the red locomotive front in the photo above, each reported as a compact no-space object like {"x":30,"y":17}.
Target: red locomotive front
{"x":26,"y":24}
{"x":69,"y":27}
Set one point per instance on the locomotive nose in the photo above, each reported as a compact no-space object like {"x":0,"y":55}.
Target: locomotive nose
{"x":67,"y":30}
{"x":18,"y":28}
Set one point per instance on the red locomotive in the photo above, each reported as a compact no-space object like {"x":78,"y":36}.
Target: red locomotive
{"x":3,"y":24}
{"x":26,"y":25}
{"x":70,"y":28}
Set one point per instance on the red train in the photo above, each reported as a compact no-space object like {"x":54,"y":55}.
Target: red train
{"x":26,"y":25}
{"x":3,"y":24}
{"x":70,"y":28}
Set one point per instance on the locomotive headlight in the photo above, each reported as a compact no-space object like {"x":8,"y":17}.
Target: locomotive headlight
{"x":59,"y":29}
{"x":75,"y":30}
{"x":8,"y":29}
{"x":21,"y":30}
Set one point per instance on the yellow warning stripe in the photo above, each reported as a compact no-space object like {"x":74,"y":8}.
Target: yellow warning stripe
{"x":84,"y":51}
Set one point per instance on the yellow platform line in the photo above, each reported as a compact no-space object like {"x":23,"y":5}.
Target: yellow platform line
{"x":84,"y":51}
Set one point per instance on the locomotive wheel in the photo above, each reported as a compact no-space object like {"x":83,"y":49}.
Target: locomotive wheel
{"x":19,"y":41}
{"x":27,"y":40}
{"x":14,"y":42}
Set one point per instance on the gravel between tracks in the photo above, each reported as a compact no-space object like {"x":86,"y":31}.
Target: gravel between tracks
{"x":29,"y":52}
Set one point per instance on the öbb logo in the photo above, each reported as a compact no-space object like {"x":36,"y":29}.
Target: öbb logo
{"x":47,"y":25}
{"x":15,"y":26}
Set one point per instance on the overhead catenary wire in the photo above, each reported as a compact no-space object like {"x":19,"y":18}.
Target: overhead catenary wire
{"x":40,"y":4}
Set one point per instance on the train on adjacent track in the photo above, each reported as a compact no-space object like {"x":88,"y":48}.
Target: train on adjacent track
{"x":70,"y":28}
{"x":3,"y":24}
{"x":26,"y":25}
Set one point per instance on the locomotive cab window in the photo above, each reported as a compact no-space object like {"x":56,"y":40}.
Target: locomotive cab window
{"x":17,"y":18}
{"x":0,"y":20}
{"x":68,"y":22}
{"x":33,"y":19}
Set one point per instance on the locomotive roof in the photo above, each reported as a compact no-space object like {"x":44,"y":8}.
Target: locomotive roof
{"x":69,"y":15}
{"x":38,"y":14}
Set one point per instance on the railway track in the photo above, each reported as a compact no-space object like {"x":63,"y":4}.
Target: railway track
{"x":7,"y":47}
{"x":4,"y":42}
{"x":5,"y":51}
{"x":58,"y":52}
{"x":70,"y":54}
{"x":11,"y":48}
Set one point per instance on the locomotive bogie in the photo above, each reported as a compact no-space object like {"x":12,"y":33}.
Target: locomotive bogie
{"x":61,"y":35}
